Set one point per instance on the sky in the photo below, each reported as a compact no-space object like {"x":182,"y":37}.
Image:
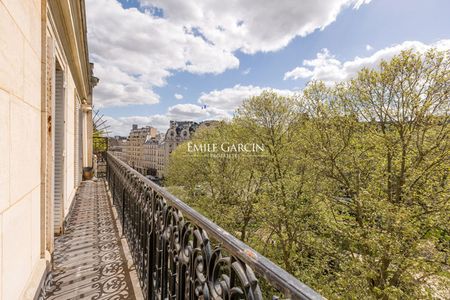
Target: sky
{"x":162,"y":60}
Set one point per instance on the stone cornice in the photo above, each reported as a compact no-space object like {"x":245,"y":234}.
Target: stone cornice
{"x":70,"y":21}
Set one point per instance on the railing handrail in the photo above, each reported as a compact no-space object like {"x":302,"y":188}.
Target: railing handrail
{"x":275,"y":275}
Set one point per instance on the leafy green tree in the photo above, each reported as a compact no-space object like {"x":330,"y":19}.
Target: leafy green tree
{"x":275,"y":121}
{"x":224,"y":186}
{"x":100,"y":142}
{"x":351,"y":193}
{"x":381,"y":142}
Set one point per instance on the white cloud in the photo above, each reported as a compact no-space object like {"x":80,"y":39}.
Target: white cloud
{"x":180,"y":112}
{"x":246,"y":71}
{"x":188,"y":111}
{"x":369,"y":47}
{"x":193,"y":36}
{"x":193,"y":112}
{"x":220,"y":105}
{"x":144,"y":51}
{"x":327,"y":68}
{"x":122,"y":125}
{"x":178,"y":96}
{"x":357,"y":4}
{"x":117,"y":88}
{"x":231,"y":98}
{"x":249,"y":26}
{"x":298,"y":72}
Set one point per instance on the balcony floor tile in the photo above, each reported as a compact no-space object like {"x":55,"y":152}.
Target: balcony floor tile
{"x":89,"y":261}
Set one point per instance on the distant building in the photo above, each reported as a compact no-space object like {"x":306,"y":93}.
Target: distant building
{"x":153,"y":156}
{"x":116,"y":140}
{"x":178,"y":132}
{"x":118,"y":146}
{"x":148,"y":152}
{"x":134,"y":149}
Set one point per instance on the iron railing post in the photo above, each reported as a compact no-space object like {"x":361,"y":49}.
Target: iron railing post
{"x":123,"y":210}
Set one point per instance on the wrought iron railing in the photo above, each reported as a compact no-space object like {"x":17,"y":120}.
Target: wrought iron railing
{"x":100,"y":145}
{"x":180,"y":254}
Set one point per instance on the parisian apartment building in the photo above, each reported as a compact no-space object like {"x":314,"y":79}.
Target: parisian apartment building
{"x":136,"y":139}
{"x":46,"y":84}
{"x":148,"y":151}
{"x":119,"y":146}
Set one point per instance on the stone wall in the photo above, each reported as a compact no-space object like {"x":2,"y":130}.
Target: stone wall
{"x":26,"y":126}
{"x":20,"y":124}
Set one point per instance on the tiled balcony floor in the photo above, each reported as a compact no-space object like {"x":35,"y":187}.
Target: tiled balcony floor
{"x":88,"y":260}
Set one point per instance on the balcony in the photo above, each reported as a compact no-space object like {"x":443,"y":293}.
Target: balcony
{"x":88,"y":260}
{"x":176,"y":252}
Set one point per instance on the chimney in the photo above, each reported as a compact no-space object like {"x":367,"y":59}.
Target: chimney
{"x":134,"y":126}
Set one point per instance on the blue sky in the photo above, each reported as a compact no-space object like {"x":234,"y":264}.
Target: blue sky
{"x":147,"y":51}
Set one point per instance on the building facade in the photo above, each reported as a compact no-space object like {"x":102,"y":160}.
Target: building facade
{"x":157,"y":151}
{"x":178,"y":132}
{"x":148,"y":152}
{"x":45,"y":133}
{"x":118,"y":146}
{"x":134,"y":149}
{"x":153,"y":156}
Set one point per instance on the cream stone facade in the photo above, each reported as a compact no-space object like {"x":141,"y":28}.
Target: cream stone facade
{"x":136,"y":139}
{"x":147,"y":151}
{"x":118,"y":146}
{"x":156,"y":151}
{"x":153,"y":156}
{"x":45,"y":133}
{"x":178,"y":132}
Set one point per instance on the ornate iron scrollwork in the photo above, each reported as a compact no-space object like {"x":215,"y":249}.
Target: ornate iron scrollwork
{"x":172,"y":251}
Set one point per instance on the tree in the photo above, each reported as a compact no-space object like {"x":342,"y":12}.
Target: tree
{"x":229,"y":184}
{"x":351,"y":193}
{"x":382,"y":143}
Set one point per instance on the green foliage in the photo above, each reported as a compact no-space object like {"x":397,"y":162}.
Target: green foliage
{"x":100,"y":143}
{"x":351,"y":194}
